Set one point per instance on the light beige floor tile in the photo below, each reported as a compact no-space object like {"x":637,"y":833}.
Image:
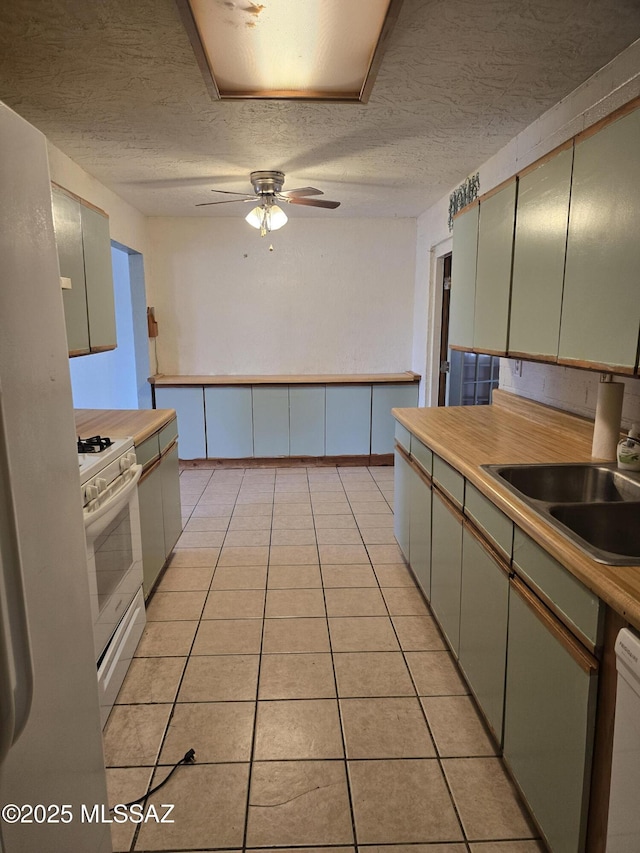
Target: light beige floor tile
{"x":348,"y":576}
{"x":295,"y":635}
{"x":384,"y":554}
{"x":294,"y":577}
{"x":185,"y":578}
{"x":435,"y":674}
{"x":363,"y":674}
{"x":487,"y":802}
{"x":394,"y":575}
{"x":413,"y":848}
{"x":247,"y":538}
{"x":151,"y":680}
{"x":285,"y":497}
{"x":133,"y":734}
{"x":291,"y":555}
{"x":221,"y":678}
{"x":355,"y":602}
{"x":289,"y":730}
{"x":239,"y":577}
{"x":206,"y":524}
{"x":362,"y":634}
{"x":250,"y":522}
{"x":508,"y":847}
{"x":294,"y":602}
{"x":165,"y":639}
{"x":401,"y":801}
{"x":306,"y":536}
{"x":378,"y":535}
{"x":385,"y":728}
{"x":292,"y":522}
{"x":218,"y":731}
{"x":405,"y":601}
{"x":344,"y":521}
{"x":207,"y":539}
{"x":125,"y":784}
{"x":228,"y":637}
{"x":363,"y":486}
{"x":248,"y":510}
{"x":367,"y":520}
{"x":210,"y":802}
{"x":234,"y":604}
{"x":211,"y":510}
{"x":298,"y":803}
{"x":380,"y":507}
{"x":301,"y":676}
{"x":244,"y":556}
{"x":338,"y":536}
{"x":343,"y":554}
{"x":171,"y":606}
{"x":457,"y":728}
{"x":328,"y":508}
{"x":195,"y":557}
{"x":281,"y":510}
{"x":418,"y":633}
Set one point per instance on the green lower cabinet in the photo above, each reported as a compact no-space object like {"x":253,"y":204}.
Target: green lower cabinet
{"x":151,"y":527}
{"x":402,"y":502}
{"x":420,"y":530}
{"x":550,"y":704}
{"x":171,"y":507}
{"x":484,"y":614}
{"x":446,"y":568}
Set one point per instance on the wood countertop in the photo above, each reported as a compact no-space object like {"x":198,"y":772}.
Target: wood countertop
{"x":514,"y":430}
{"x":293,"y":379}
{"x":120,"y":423}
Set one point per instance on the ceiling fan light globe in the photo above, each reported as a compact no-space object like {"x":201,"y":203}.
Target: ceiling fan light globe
{"x":276,"y":218}
{"x":254,"y":217}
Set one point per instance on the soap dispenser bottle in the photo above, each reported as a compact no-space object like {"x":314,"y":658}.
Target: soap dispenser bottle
{"x":629,"y":450}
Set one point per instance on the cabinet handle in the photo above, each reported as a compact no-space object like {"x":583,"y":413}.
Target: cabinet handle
{"x":581,"y":656}
{"x":487,"y":547}
{"x":420,"y":471}
{"x":150,"y":469}
{"x":448,"y":503}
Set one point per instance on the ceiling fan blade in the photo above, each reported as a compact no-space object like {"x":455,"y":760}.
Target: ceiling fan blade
{"x":229,"y":192}
{"x":227,"y":201}
{"x":314,"y":202}
{"x":301,"y":191}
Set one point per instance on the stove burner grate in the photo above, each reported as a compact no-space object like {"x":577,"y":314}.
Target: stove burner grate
{"x":95,"y":444}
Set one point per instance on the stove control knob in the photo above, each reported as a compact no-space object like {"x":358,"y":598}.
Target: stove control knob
{"x":90,"y":493}
{"x":131,"y":456}
{"x":101,"y":484}
{"x":125,"y":463}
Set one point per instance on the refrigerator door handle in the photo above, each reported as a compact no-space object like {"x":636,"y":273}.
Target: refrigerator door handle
{"x":16,"y":660}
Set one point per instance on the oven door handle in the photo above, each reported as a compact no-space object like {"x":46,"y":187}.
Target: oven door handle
{"x":95,"y":521}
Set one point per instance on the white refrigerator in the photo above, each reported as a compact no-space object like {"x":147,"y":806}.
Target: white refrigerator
{"x":50,"y":736}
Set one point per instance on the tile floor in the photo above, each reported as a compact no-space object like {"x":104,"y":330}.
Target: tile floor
{"x":288,"y":645}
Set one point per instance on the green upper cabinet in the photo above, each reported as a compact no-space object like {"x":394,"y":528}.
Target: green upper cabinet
{"x":463,"y":278}
{"x":493,"y":271}
{"x":538,"y":263}
{"x":601,"y":308}
{"x":84,"y":254}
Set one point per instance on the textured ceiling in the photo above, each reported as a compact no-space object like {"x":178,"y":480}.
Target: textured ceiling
{"x":115,"y":85}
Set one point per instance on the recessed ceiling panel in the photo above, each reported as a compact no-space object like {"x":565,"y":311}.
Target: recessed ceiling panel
{"x":306,"y":49}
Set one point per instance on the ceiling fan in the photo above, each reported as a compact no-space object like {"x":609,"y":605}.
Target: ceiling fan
{"x":267,"y":191}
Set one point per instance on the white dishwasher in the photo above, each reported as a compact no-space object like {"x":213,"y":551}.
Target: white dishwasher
{"x":623,"y":833}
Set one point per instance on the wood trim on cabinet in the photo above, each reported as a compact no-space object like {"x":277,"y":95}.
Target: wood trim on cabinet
{"x":106,"y":348}
{"x":545,"y":158}
{"x":623,"y":369}
{"x":415,"y":465}
{"x":79,"y":199}
{"x":487,"y":547}
{"x":74,"y":352}
{"x":448,"y":503}
{"x":409,"y":376}
{"x":467,"y":207}
{"x":585,"y":660}
{"x":148,"y":471}
{"x":622,"y":111}
{"x":497,"y":189}
{"x":373,"y":460}
{"x":537,"y":357}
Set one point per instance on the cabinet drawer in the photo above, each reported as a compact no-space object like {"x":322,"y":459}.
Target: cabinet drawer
{"x":403,"y":437}
{"x":148,"y":451}
{"x":489,"y":519}
{"x":449,"y":480}
{"x":167,"y":434}
{"x":422,"y":454}
{"x":579,"y":608}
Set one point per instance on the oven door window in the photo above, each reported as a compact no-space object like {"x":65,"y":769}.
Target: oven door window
{"x":113,"y":552}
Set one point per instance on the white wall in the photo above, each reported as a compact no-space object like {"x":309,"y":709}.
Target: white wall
{"x":335,"y":296}
{"x":575,"y":390}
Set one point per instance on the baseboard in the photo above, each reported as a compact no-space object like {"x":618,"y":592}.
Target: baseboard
{"x":373,"y":459}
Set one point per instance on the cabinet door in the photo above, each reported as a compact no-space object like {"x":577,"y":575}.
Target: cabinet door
{"x":549,"y":714}
{"x":171,"y":509}
{"x":446,"y":568}
{"x":348,"y":420}
{"x":151,"y":527}
{"x":229,"y":421}
{"x":484,"y":613}
{"x":401,"y":502}
{"x":270,"y":420}
{"x":601,"y":308}
{"x":306,"y":420}
{"x":96,"y":244}
{"x":493,"y":273}
{"x":420,"y":530}
{"x":68,"y":227}
{"x":189,"y":405}
{"x":463,"y":278}
{"x":385,"y":398}
{"x":538,"y":263}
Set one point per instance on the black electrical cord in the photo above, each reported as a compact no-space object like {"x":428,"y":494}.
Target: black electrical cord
{"x":187,"y":758}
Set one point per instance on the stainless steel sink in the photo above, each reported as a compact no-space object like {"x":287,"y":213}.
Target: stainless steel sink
{"x":572,"y":483}
{"x":595,"y":506}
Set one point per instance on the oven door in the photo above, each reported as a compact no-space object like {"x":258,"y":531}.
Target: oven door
{"x":114,"y":553}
